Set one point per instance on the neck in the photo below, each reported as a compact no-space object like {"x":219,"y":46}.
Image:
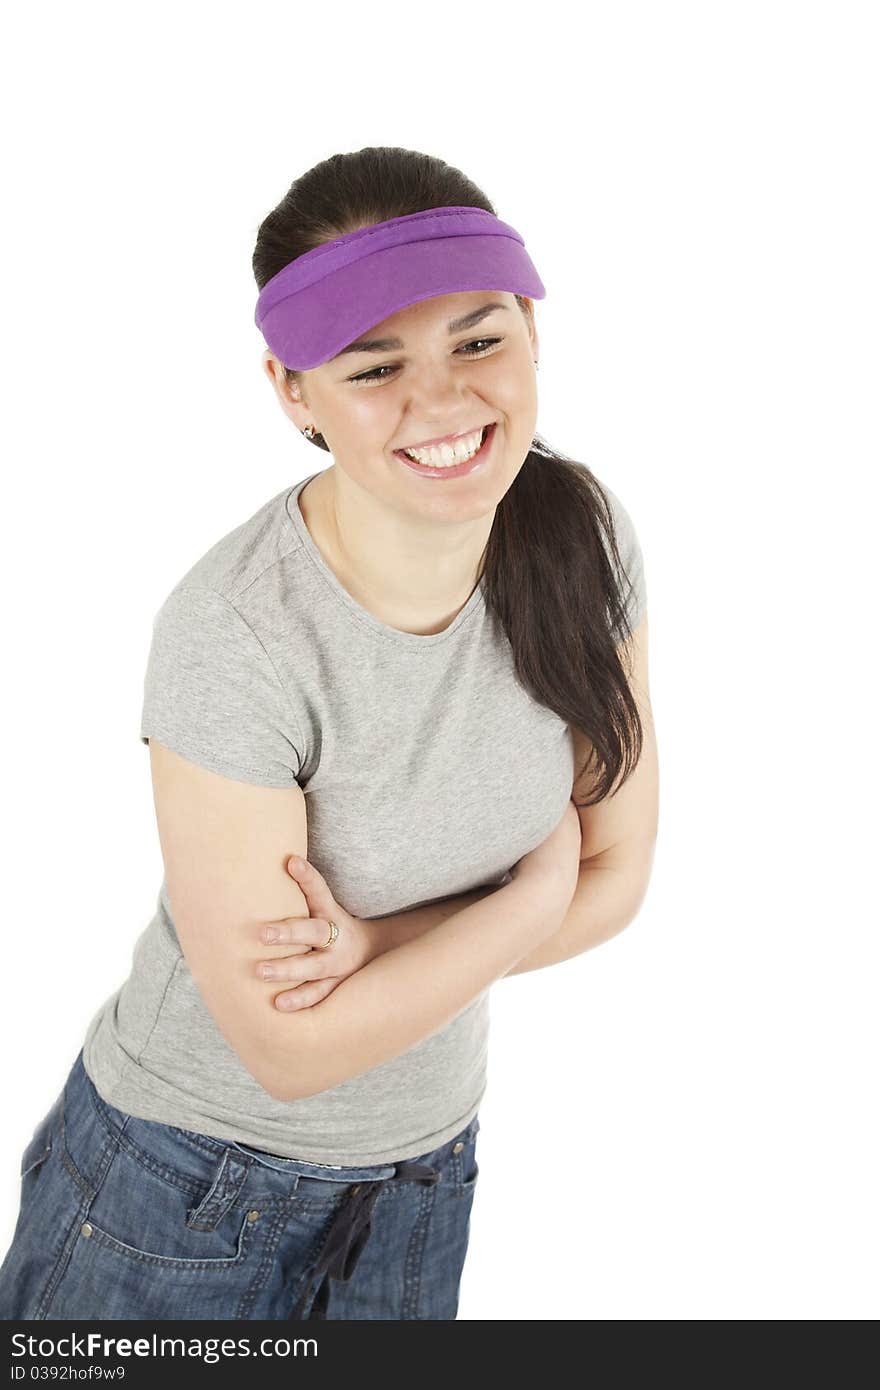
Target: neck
{"x":416,"y":573}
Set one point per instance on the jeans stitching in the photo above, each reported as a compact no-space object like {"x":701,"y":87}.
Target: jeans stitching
{"x":182,"y":1264}
{"x":415,"y":1254}
{"x":271,"y":1241}
{"x":107,"y":1155}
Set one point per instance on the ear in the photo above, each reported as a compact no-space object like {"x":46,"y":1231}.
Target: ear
{"x":290,"y":395}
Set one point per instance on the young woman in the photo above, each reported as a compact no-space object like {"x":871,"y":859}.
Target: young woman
{"x":421,"y":673}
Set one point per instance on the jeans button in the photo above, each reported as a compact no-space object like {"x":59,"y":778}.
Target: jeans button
{"x":457,"y":1148}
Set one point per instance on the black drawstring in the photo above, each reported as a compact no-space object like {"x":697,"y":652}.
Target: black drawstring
{"x":349,"y":1233}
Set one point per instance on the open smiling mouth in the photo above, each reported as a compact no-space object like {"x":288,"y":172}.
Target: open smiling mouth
{"x":452,"y":470}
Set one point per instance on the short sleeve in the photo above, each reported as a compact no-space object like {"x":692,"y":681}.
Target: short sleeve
{"x":211,"y":692}
{"x":634,"y":590}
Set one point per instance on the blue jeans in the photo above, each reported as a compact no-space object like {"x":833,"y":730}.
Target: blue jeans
{"x":126,"y":1218}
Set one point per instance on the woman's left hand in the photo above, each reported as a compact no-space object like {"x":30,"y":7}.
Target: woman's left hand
{"x":314,"y":972}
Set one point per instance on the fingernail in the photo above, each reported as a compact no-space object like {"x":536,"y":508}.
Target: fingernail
{"x":295,"y":862}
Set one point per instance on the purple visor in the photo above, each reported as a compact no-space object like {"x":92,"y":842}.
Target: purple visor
{"x":322,"y":301}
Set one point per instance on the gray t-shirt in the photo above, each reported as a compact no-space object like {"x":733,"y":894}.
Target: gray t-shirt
{"x":427,"y":770}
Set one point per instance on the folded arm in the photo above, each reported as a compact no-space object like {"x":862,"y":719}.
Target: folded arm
{"x":225,"y":845}
{"x":609,"y":892}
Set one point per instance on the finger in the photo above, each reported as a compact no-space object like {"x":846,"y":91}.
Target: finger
{"x":289,"y":948}
{"x":313,"y":965}
{"x":275,"y":968}
{"x":306,"y":995}
{"x":305,"y":931}
{"x":313,"y":885}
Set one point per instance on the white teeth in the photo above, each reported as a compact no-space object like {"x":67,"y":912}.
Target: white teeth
{"x":446,"y":455}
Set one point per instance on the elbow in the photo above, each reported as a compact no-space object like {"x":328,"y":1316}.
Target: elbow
{"x":291,"y":1057}
{"x":273,"y":1088}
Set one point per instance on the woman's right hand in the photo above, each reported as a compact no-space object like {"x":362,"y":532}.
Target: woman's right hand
{"x":556,"y":861}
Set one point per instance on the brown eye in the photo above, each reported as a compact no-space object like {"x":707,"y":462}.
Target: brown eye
{"x":373,"y":374}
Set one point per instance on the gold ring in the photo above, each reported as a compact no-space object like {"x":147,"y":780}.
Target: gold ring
{"x":334,"y":932}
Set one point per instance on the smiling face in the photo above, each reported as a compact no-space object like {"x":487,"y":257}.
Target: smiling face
{"x":368,"y":404}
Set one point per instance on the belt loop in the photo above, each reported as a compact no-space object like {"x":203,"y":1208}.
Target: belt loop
{"x":229,"y":1178}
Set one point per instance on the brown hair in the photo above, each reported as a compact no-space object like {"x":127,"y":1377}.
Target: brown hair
{"x":552,"y":572}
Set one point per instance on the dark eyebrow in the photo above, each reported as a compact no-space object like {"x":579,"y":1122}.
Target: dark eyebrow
{"x":391,"y":344}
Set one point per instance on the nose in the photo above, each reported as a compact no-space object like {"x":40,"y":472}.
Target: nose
{"x":439,"y":402}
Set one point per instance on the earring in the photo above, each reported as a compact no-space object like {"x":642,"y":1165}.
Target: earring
{"x":536,"y":366}
{"x":309,"y":431}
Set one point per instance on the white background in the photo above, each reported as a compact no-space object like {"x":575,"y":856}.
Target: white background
{"x":679,"y":1124}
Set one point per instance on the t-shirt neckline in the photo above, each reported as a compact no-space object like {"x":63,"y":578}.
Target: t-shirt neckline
{"x":363,"y":616}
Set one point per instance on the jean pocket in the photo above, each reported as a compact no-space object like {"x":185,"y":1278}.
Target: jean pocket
{"x":197,"y":1262}
{"x":146,"y":1212}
